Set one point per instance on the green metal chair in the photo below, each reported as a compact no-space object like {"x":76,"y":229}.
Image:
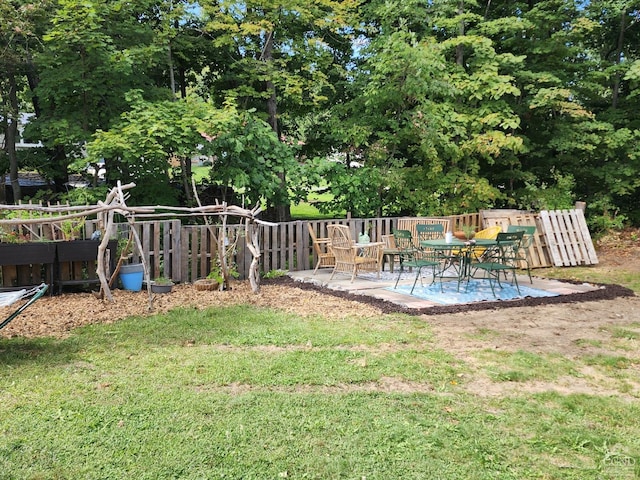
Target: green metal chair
{"x":527,"y":240}
{"x":501,"y":258}
{"x":434,"y":232}
{"x":429,"y":231}
{"x":412,"y":257}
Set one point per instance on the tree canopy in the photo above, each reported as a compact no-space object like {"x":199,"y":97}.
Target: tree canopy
{"x":396,"y":107}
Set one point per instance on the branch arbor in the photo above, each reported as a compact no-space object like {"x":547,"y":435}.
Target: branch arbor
{"x":115,"y":203}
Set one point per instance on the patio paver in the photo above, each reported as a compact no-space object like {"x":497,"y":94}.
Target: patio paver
{"x":370,"y":286}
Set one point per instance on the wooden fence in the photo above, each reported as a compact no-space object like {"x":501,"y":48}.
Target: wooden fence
{"x":187,"y":255}
{"x":184,"y":252}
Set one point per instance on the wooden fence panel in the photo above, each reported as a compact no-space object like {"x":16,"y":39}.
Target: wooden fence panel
{"x":538,"y":255}
{"x":184,"y":252}
{"x":457,"y":221}
{"x":568,"y":239}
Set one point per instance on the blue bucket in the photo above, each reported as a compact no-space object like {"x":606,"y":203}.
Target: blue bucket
{"x":131,"y":276}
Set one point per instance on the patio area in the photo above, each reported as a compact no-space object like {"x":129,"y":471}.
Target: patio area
{"x":432,"y":298}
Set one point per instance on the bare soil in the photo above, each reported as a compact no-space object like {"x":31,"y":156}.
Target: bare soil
{"x":588,"y":325}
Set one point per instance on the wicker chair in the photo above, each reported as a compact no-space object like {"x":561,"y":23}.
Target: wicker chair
{"x":390,"y":251}
{"x":321,"y":247}
{"x":351,"y":257}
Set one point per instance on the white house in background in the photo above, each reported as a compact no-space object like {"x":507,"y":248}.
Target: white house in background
{"x":20,"y":143}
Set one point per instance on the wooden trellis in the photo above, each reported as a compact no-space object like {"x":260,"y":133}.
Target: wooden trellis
{"x":115,"y":203}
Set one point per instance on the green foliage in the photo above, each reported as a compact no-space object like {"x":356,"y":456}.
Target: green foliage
{"x":85,"y":195}
{"x":274,"y":274}
{"x":556,"y":196}
{"x":604,"y":215}
{"x":451,"y":106}
{"x":247,"y":155}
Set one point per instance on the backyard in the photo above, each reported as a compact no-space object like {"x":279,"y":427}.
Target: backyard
{"x":297,"y":383}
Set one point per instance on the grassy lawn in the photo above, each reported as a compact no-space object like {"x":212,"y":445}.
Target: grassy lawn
{"x":248,"y":393}
{"x":596,"y":274}
{"x":309,"y":211}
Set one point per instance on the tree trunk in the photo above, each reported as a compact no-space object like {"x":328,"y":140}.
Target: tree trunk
{"x":58,"y":157}
{"x":172,"y":78}
{"x":12,"y":134}
{"x":279,"y":213}
{"x":620,"y":46}
{"x":34,"y":80}
{"x":186,"y":174}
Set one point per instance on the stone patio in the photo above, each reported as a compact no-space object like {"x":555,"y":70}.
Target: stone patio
{"x":382,"y":289}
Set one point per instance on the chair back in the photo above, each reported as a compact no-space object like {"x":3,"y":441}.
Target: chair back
{"x":528,"y":230}
{"x":512,"y":241}
{"x":312,"y":233}
{"x":429,"y":231}
{"x":489,"y":233}
{"x":316,"y":241}
{"x":510,"y":237}
{"x":340,"y":236}
{"x":389,"y":242}
{"x":403,"y":239}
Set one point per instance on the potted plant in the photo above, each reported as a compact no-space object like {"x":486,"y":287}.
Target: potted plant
{"x":466,"y":232}
{"x":161,"y":285}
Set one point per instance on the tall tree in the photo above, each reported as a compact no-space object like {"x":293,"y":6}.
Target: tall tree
{"x":19,"y":24}
{"x":429,"y":123}
{"x":279,"y":55}
{"x":94,"y":53}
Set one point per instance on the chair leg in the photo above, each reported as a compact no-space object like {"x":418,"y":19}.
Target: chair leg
{"x":333,"y":273}
{"x":416,"y":280}
{"x":397,"y":280}
{"x":317,"y":266}
{"x":515,"y":281}
{"x":488,"y":275}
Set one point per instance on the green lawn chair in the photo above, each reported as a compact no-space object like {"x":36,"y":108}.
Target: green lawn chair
{"x":8,"y":299}
{"x":527,"y":240}
{"x":501,"y":258}
{"x":412,"y":257}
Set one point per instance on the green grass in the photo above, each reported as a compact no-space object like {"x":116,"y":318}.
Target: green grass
{"x":595,"y":274}
{"x":523,"y":366}
{"x":308,"y":210}
{"x":200,"y":173}
{"x":301,"y":211}
{"x":247,"y":393}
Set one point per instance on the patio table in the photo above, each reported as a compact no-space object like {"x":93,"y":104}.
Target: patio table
{"x":464,"y":254}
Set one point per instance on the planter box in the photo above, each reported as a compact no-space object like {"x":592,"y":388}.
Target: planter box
{"x":27,"y":264}
{"x":30,"y":253}
{"x":76,"y":262}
